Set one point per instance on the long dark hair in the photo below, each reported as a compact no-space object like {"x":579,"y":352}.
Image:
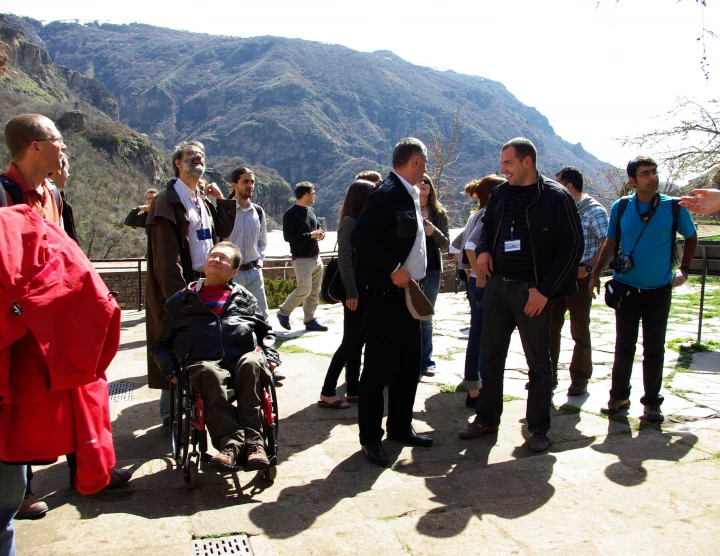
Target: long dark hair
{"x":355,"y":199}
{"x":432,"y":200}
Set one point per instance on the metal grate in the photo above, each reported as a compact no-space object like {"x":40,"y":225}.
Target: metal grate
{"x":237,"y":544}
{"x":120,"y":391}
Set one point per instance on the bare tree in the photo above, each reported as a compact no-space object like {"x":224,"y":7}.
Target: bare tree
{"x":690,"y":146}
{"x":443,"y":153}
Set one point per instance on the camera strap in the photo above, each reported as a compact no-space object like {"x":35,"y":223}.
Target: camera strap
{"x":646,"y":216}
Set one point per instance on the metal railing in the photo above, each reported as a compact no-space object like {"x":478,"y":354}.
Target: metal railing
{"x":139,"y":262}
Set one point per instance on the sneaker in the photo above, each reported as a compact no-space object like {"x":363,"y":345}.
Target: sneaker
{"x":538,"y":442}
{"x":278,"y":376}
{"x":32,"y":508}
{"x":226,"y":459}
{"x":475,"y":429}
{"x":315,"y":326}
{"x":653,"y":414}
{"x":577,"y":390}
{"x":428,"y":372}
{"x":284,"y":321}
{"x":118,"y":477}
{"x":615,"y":406}
{"x":256,"y":458}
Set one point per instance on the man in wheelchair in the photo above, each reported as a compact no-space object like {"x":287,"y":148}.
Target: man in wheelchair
{"x":214,"y":327}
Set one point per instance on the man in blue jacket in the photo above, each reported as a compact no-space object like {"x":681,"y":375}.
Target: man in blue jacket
{"x":530,"y":246}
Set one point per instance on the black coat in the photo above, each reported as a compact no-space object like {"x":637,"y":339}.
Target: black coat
{"x":385,"y":233}
{"x":191,"y":332}
{"x":556,"y":236}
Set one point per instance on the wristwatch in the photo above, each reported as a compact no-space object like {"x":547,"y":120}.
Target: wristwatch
{"x":685,"y":269}
{"x":588,"y":268}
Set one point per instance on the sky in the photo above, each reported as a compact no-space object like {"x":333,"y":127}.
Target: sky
{"x":599,"y":70}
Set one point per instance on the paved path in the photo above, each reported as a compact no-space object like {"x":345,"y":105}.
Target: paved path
{"x":605,"y":487}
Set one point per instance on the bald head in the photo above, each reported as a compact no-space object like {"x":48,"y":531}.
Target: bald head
{"x":22,"y":130}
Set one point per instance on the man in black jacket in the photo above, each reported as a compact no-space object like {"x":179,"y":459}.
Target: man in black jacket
{"x":530,"y":246}
{"x":216,"y":327}
{"x":390,"y":241}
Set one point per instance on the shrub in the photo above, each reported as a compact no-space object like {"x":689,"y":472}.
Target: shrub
{"x":277,"y":290}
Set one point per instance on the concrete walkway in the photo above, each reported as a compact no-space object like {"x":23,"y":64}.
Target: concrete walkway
{"x":607,"y":486}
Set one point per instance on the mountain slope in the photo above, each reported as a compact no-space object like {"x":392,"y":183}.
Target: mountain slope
{"x":310,"y":110}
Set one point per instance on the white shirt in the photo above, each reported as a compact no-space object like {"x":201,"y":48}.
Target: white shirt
{"x":416,"y":262}
{"x":199,"y":218}
{"x":249,"y":234}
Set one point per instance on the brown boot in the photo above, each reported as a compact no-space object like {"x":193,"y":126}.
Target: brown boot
{"x":226,"y":459}
{"x":32,"y":508}
{"x":256,"y":458}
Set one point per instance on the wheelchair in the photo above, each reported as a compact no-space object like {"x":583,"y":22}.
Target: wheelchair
{"x":189,"y":437}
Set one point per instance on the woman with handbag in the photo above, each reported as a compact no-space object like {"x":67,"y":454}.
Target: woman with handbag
{"x":436,"y":241}
{"x":354,"y":326}
{"x":479,"y":190}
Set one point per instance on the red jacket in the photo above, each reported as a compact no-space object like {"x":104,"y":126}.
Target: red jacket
{"x":60,"y":331}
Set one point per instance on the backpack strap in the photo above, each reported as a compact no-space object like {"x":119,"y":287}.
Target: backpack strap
{"x":13,"y":190}
{"x":260,"y":213}
{"x":56,"y":193}
{"x":621,"y":210}
{"x":673,"y":242}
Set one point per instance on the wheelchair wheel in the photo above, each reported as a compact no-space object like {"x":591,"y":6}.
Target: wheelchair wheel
{"x":180,"y":433}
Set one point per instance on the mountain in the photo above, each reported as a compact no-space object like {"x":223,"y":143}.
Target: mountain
{"x":311,"y":111}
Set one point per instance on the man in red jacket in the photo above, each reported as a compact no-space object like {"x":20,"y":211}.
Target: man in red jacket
{"x":36,"y":149}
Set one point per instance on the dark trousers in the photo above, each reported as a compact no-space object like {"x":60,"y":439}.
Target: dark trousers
{"x":226,"y":423}
{"x":473,"y":353}
{"x":578,"y":304}
{"x":349,"y":353}
{"x":653,"y":307}
{"x":504,"y":305}
{"x":392,"y":357}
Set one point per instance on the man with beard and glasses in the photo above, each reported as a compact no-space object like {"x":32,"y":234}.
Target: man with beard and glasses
{"x":182,"y":228}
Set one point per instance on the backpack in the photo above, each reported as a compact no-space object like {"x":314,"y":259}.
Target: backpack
{"x":15,"y":193}
{"x":260,"y":213}
{"x":675,"y":215}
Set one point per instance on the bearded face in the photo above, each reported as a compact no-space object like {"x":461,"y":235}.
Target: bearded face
{"x":193,"y":166}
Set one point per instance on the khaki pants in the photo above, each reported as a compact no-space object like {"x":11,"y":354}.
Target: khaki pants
{"x":226,"y":423}
{"x":309,"y":274}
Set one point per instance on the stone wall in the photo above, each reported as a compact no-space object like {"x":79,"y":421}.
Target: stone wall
{"x":126,"y":282}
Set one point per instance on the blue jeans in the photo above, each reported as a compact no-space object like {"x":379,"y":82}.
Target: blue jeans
{"x":473,"y":354}
{"x":505,"y":303}
{"x":252,"y":281}
{"x":13,"y":481}
{"x":430,"y":286}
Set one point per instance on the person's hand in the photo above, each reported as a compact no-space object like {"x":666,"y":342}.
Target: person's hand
{"x":174,"y":380}
{"x":535,"y":303}
{"x":143,"y":208}
{"x":582,"y":272}
{"x":429,"y":228}
{"x":485,"y":262}
{"x":679,"y":279}
{"x":352,"y":303}
{"x":317,"y":234}
{"x":704,"y":202}
{"x":401,"y":277}
{"x":594,"y":285}
{"x":272,"y":365}
{"x":480,"y":281}
{"x":213,"y":190}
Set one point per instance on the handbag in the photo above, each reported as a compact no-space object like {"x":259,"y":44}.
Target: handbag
{"x":332,"y":289}
{"x":616,"y":293}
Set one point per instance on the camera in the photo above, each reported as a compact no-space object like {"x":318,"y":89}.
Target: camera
{"x":621,"y":263}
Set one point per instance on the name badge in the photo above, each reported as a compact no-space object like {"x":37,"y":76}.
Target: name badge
{"x":512,"y":245}
{"x":205,"y":233}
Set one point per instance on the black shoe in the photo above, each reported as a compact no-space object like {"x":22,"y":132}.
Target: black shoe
{"x":412,"y":438}
{"x":538,"y":442}
{"x":315,"y":326}
{"x":375,"y":453}
{"x":475,"y":429}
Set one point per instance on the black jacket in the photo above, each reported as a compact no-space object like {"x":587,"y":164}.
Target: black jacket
{"x":191,"y":332}
{"x":556,"y":236}
{"x":385,"y":233}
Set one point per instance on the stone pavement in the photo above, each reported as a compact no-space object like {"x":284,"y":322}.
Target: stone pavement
{"x":607,"y":486}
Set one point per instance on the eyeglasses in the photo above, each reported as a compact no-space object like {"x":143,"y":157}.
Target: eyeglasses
{"x":58,"y":140}
{"x":220,"y":257}
{"x":427,"y":182}
{"x":193,"y":153}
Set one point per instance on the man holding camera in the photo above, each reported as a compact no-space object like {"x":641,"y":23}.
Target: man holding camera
{"x":643,"y":227}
